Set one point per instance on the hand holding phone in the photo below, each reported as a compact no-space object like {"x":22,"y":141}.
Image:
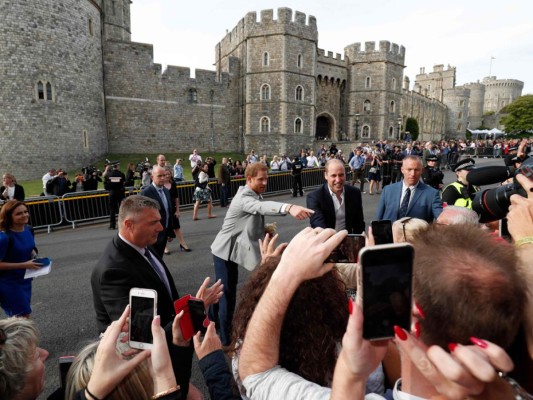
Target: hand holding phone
{"x":348,"y":250}
{"x":194,"y":318}
{"x":382,"y":231}
{"x":143,"y":309}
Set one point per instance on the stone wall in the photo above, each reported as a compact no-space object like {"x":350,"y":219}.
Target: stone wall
{"x":500,"y":92}
{"x":456,"y":100}
{"x":475,"y":104}
{"x":59,"y":45}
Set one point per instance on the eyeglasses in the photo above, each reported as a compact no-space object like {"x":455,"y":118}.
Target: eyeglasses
{"x":404,"y":222}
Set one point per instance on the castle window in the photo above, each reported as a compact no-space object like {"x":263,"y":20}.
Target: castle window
{"x":299,"y":93}
{"x":113,"y":7}
{"x":460,"y":114}
{"x":461,"y":103}
{"x":391,"y":132}
{"x":85,"y":140}
{"x":264,"y":124}
{"x":266,"y":59}
{"x":40,"y":90}
{"x":367,"y":106}
{"x":193,"y":96}
{"x":393,"y":83}
{"x":298,"y":125}
{"x":265,"y":92}
{"x":91,"y":30}
{"x":299,"y":61}
{"x":459,"y":127}
{"x":368,"y":82}
{"x":366,"y":131}
{"x":392,"y":107}
{"x":48,"y":91}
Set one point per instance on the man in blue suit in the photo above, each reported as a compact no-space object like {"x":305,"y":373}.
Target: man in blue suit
{"x":410,"y":197}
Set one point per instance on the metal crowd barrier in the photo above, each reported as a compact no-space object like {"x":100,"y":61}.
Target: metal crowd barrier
{"x":76,"y":207}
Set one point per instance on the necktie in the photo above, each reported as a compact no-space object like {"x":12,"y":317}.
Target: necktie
{"x":158,"y":271}
{"x":405,"y":203}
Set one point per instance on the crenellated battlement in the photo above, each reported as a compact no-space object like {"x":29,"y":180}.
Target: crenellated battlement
{"x":385,"y":51}
{"x":493,"y":82}
{"x":330,"y":58}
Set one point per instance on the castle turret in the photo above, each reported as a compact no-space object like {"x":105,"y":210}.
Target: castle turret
{"x":375,"y":88}
{"x":500,"y":92}
{"x":456,"y":100}
{"x":117,"y":20}
{"x":475,"y":107}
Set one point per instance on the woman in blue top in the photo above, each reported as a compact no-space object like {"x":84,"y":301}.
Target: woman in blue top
{"x":17,"y":248}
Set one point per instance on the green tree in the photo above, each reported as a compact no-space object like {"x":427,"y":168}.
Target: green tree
{"x":519,"y":114}
{"x":411,"y":126}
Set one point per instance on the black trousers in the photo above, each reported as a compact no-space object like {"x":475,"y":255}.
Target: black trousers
{"x":297,"y":185}
{"x":115,"y":198}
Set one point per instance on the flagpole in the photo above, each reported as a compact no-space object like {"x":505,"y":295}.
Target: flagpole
{"x":490,"y":67}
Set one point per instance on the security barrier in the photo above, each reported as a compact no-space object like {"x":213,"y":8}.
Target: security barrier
{"x":76,"y":207}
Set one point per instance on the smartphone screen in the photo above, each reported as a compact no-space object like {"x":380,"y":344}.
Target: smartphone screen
{"x":348,"y":250}
{"x":386,"y":276}
{"x":197,"y":313}
{"x":142,"y":311}
{"x":382,"y":231}
{"x":64,"y":366}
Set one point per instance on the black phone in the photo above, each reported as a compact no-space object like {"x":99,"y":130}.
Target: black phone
{"x":382,"y":231}
{"x":64,"y":366}
{"x":198,"y":315}
{"x":504,"y":231}
{"x":348,"y":250}
{"x":386,"y":281}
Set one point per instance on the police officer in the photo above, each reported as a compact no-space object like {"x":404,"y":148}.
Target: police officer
{"x":396,"y":160}
{"x":114,"y":183}
{"x":297,"y":167}
{"x":461,"y":193}
{"x":432,"y":175}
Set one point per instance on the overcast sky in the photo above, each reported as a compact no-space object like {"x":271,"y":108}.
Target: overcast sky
{"x":464,"y":34}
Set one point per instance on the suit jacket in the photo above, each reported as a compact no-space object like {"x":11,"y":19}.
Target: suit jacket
{"x":243,"y":226}
{"x":18,"y":195}
{"x":425,"y":203}
{"x":321,"y":203}
{"x":151,"y":191}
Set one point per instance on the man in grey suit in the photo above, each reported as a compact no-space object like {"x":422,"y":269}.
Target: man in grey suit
{"x":237,"y":241}
{"x":161,"y":194}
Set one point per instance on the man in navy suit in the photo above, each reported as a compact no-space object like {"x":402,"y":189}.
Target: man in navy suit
{"x":161,"y":194}
{"x":336,"y":205}
{"x":410,"y":197}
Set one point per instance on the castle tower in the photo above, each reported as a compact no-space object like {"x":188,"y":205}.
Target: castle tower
{"x":457,"y":100}
{"x":435,"y":83}
{"x":476,"y":103}
{"x":278,"y":58}
{"x":52,"y":112}
{"x":117,"y":20}
{"x":375,"y":89}
{"x":500,"y":92}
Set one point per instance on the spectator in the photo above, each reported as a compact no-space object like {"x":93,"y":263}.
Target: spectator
{"x":312,"y":161}
{"x":238,"y":170}
{"x":252,"y":158}
{"x":196,"y":170}
{"x":130,"y":175}
{"x":405,"y":229}
{"x":59,"y":184}
{"x":202,"y":193}
{"x":275,"y":164}
{"x":285,"y":164}
{"x":17,"y":252}
{"x":303,"y":158}
{"x":178,"y":171}
{"x":46,"y":177}
{"x":194,"y":158}
{"x":79,"y":182}
{"x":454,"y":215}
{"x":224,"y":180}
{"x":175,"y":201}
{"x":10,"y":190}
{"x":374,"y":173}
{"x":211,"y":162}
{"x":161,"y":160}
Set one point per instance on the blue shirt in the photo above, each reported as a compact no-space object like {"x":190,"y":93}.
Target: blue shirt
{"x":357,"y":161}
{"x":22,"y":245}
{"x":178,"y":172}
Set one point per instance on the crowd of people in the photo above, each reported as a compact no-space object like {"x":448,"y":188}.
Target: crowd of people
{"x":293,"y":331}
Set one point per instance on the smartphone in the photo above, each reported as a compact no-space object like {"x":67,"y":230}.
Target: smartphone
{"x":348,"y":250}
{"x":143,"y":309}
{"x":64,"y":366}
{"x":198,"y":315}
{"x":382,"y":231}
{"x":504,"y":231}
{"x":386,"y":282}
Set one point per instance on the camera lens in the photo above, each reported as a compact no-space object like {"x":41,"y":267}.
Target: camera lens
{"x":493,"y":204}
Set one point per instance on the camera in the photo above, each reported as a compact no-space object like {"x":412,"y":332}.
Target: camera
{"x":493,"y":204}
{"x":91,"y":170}
{"x":143,"y":166}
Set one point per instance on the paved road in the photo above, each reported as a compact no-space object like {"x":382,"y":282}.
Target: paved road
{"x":62,"y":301}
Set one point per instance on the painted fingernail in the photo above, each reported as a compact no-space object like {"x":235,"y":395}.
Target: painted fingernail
{"x":452,"y":347}
{"x":400,"y":333}
{"x":350,"y":305}
{"x":479,"y":342}
{"x":420,"y":311}
{"x":417,"y":329}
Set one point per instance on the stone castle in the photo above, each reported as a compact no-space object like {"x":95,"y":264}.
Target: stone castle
{"x":74,"y":87}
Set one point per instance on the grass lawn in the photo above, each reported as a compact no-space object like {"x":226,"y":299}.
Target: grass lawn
{"x":35,"y":187}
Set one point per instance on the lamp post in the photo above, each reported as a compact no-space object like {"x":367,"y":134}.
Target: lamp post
{"x":399,"y":127}
{"x":356,"y":126}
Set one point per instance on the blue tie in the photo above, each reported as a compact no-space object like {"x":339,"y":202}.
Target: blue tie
{"x":405,"y":204}
{"x":158,"y":271}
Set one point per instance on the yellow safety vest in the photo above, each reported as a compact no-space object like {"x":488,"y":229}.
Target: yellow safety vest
{"x":462,"y":202}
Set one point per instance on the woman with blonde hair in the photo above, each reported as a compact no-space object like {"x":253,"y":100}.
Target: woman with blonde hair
{"x":405,"y":229}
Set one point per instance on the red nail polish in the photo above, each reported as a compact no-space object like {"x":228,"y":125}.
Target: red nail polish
{"x":350,"y":305}
{"x":420,"y":311}
{"x":402,"y":335}
{"x":452,"y":347}
{"x":479,"y":342}
{"x":417,"y":329}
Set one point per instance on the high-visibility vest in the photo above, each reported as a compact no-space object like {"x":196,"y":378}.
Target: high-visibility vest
{"x":461,"y":202}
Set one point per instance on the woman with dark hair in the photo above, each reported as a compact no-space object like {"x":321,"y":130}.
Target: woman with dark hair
{"x":130,"y":175}
{"x":17,"y":250}
{"x":174,"y":196}
{"x":313,"y":326}
{"x":238,"y":170}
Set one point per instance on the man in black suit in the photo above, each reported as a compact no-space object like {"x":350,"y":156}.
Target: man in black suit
{"x":161,"y":194}
{"x":129,"y":261}
{"x":336,"y":205}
